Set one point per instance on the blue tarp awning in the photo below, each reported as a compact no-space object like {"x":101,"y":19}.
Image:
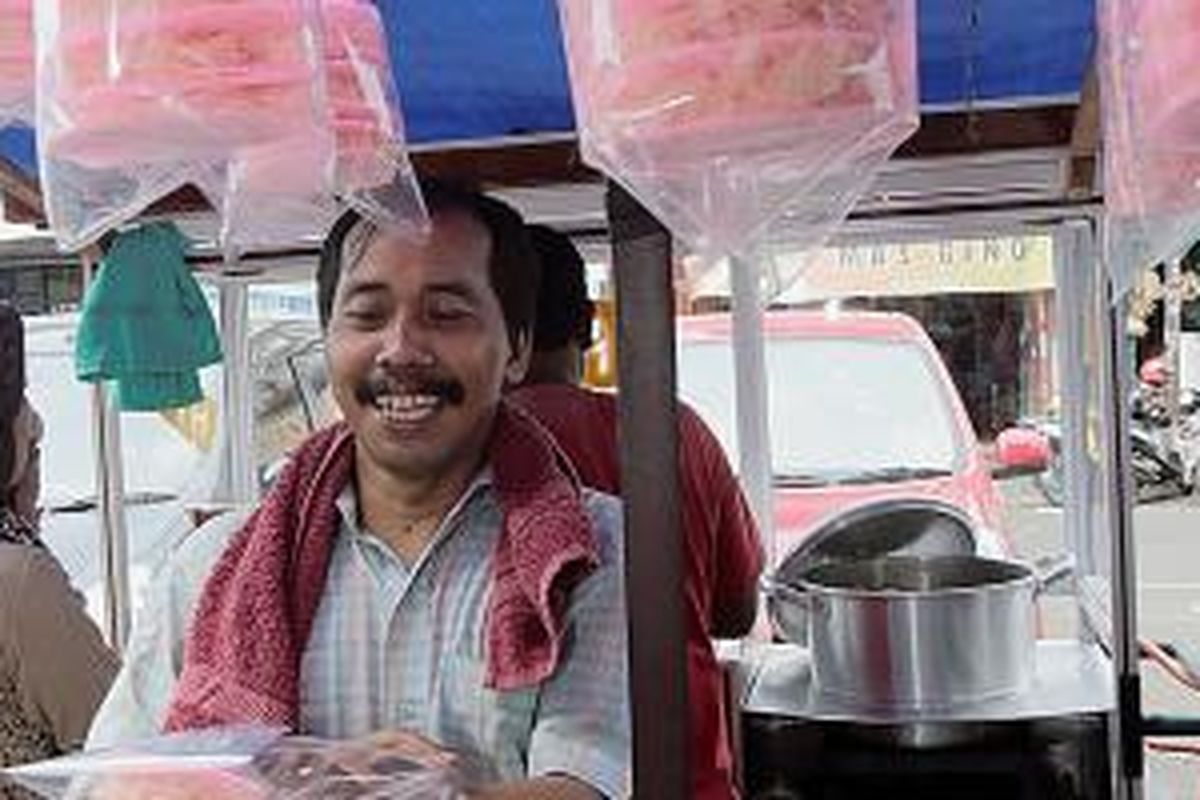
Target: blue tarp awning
{"x":481,"y":69}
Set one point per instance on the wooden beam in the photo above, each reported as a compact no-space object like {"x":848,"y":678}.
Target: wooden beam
{"x":940,"y":134}
{"x":1085,"y":138}
{"x":962,"y":133}
{"x":507,"y":164}
{"x":22,"y":197}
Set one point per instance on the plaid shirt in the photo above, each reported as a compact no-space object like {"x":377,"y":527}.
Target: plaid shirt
{"x":397,"y":646}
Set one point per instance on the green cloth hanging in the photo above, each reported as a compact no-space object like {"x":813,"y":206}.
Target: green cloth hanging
{"x":145,"y":322}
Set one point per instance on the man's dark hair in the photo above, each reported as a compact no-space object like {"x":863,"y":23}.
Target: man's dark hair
{"x":564,"y":312}
{"x":513,"y":266}
{"x":12,"y":389}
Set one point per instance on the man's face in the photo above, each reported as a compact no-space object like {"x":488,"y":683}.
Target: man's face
{"x":418,"y":349}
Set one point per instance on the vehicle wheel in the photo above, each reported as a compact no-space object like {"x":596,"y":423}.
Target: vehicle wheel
{"x":1151,"y":491}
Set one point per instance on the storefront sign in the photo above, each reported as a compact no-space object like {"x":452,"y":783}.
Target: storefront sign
{"x":987,"y":265}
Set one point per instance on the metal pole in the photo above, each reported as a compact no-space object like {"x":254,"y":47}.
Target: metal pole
{"x":110,"y":501}
{"x":751,"y":396}
{"x":1041,"y":397}
{"x":1172,"y":344}
{"x":238,"y":470}
{"x":1115,"y":370}
{"x":650,"y":480}
{"x":1074,"y":279}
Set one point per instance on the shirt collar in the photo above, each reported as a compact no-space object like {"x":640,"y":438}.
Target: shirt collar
{"x":347,"y":505}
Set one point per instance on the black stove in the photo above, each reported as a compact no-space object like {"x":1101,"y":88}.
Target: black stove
{"x":1047,"y":742}
{"x":1065,"y":758}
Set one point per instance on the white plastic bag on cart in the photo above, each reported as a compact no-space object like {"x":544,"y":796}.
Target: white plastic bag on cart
{"x":726,"y":118}
{"x":1150,"y":72}
{"x":245,"y":763}
{"x":16,"y":61}
{"x":360,"y":157}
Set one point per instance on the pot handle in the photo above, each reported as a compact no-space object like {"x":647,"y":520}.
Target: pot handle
{"x":1051,"y":571}
{"x":772,"y":588}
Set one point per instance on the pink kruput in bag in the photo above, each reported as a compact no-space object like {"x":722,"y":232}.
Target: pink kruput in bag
{"x":173,"y":80}
{"x":723,"y":115}
{"x":137,"y":98}
{"x":360,"y":155}
{"x":252,"y":763}
{"x":1150,"y":72}
{"x":16,"y":61}
{"x":273,"y":108}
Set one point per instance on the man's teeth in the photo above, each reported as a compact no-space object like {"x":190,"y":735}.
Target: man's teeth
{"x":404,"y":402}
{"x":406,"y":407}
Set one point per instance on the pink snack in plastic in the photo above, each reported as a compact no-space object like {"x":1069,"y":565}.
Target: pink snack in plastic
{"x":296,"y":167}
{"x":356,"y":72}
{"x":16,"y":54}
{"x":181,"y":80}
{"x":364,"y":155}
{"x":727,"y":117}
{"x":178,"y":784}
{"x":157,"y":51}
{"x":16,"y":75}
{"x":234,"y":113}
{"x":96,"y":14}
{"x":345,"y":90}
{"x":742,"y":83}
{"x":362,"y":122}
{"x":687,"y":73}
{"x":354,"y":24}
{"x":649,"y":26}
{"x":356,"y":56}
{"x":16,"y":26}
{"x":1166,"y":71}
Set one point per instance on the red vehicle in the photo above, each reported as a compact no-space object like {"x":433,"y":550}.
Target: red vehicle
{"x":862,"y":409}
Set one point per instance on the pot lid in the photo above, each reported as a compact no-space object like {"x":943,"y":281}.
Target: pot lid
{"x":914,"y":527}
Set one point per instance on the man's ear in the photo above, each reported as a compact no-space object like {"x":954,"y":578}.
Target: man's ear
{"x":518,"y":360}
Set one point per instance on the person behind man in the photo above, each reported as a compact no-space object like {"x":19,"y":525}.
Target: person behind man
{"x":724,"y":554}
{"x":428,"y":566}
{"x":54,"y":665}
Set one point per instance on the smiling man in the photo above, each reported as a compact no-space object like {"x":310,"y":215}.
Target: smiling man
{"x":430,"y":565}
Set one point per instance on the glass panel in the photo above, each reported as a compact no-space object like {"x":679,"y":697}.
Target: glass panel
{"x":893,"y":370}
{"x":1165,"y":447}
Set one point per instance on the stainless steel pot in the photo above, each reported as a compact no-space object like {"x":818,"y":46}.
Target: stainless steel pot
{"x":893,"y":527}
{"x":905,"y":632}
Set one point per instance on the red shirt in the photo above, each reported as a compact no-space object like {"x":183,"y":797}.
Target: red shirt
{"x":723,"y":553}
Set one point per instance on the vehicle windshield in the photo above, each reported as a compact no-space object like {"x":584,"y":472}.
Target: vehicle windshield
{"x":841,"y":409}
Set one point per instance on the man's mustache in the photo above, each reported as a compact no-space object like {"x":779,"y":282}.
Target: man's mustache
{"x":378,"y":385}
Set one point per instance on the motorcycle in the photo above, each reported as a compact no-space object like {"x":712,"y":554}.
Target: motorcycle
{"x":1162,"y":467}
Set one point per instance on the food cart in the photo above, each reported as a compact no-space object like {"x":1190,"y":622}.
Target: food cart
{"x":995,"y":81}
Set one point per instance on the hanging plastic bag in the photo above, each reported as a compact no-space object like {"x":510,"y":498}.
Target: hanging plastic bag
{"x":16,"y":61}
{"x":138,"y":98}
{"x":247,"y":763}
{"x":284,"y":191}
{"x":722,"y":116}
{"x":1150,"y":72}
{"x":372,"y":170}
